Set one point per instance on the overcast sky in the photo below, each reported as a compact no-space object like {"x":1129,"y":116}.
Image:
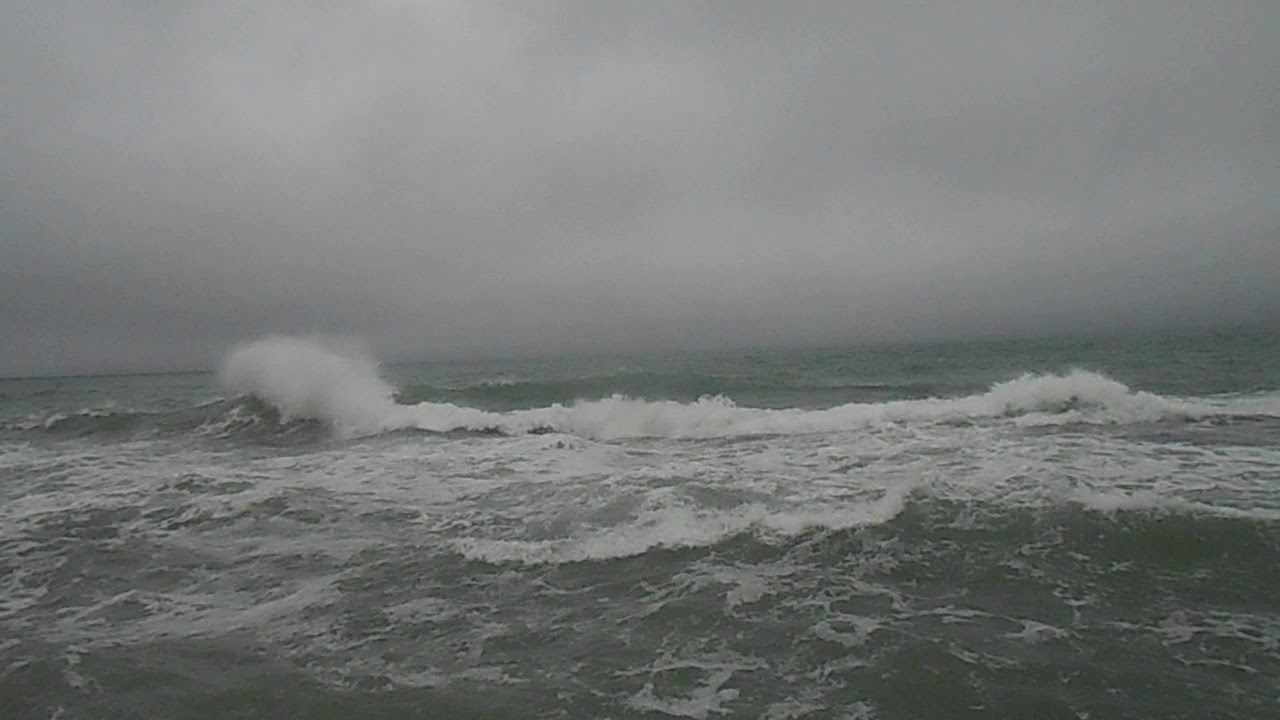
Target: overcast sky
{"x":448,"y":179}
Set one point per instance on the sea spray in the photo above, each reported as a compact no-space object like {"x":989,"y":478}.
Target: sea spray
{"x":316,"y":379}
{"x":312,"y":378}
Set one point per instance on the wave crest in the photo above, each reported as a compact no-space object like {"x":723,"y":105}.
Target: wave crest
{"x":315,"y":379}
{"x":312,"y":379}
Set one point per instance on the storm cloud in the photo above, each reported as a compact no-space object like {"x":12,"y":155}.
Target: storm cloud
{"x":451,"y":178}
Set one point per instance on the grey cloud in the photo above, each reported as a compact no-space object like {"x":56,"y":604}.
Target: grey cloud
{"x":460,"y":178}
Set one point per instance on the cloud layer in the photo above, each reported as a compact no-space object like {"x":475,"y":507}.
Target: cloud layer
{"x":485,"y":178}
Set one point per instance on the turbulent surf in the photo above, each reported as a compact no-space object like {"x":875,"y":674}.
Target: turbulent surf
{"x":1064,"y":528}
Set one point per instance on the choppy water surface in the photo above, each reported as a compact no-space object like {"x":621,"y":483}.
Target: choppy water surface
{"x":1022,"y":529}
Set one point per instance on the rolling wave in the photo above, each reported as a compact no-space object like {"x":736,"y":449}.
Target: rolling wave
{"x":300,"y":389}
{"x":244,"y":417}
{"x":308,"y":379}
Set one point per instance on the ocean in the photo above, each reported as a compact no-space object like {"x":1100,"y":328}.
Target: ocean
{"x":1055,"y":528}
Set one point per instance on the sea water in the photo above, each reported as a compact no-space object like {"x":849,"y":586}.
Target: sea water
{"x":1074,"y":528}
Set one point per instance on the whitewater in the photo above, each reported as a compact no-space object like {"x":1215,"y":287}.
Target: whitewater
{"x":307,"y":379}
{"x":1049,"y":528}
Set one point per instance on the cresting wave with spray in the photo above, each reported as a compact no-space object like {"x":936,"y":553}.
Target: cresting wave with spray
{"x":307,"y":378}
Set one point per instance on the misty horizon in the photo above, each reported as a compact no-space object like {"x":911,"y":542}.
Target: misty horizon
{"x":363,"y":349}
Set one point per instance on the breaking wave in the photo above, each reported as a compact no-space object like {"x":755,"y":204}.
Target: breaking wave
{"x":312,"y":379}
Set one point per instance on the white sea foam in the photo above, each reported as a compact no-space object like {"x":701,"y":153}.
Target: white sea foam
{"x":312,"y":378}
{"x":848,"y":630}
{"x":317,"y":379}
{"x":1088,"y":395}
{"x":680,"y":527}
{"x":1114,"y":501}
{"x":705,"y":700}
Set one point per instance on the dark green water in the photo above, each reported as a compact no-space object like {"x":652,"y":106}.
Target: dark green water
{"x":1041,"y":529}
